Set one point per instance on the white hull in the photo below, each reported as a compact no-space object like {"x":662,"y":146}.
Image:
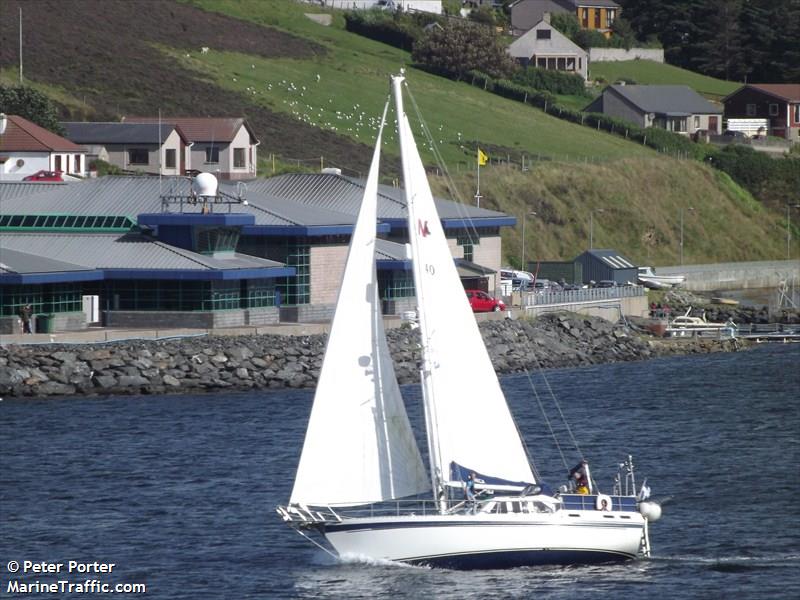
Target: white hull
{"x":658,"y":282}
{"x":490,"y":540}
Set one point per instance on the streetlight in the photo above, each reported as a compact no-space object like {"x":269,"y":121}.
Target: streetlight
{"x":3,"y":125}
{"x":789,"y":229}
{"x":591,"y":225}
{"x":524,"y":219}
{"x":690,"y":209}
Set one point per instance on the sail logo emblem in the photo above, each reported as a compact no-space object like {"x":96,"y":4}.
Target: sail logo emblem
{"x":423,"y":228}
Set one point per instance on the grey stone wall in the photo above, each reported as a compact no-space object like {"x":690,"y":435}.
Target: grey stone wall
{"x":214,"y":363}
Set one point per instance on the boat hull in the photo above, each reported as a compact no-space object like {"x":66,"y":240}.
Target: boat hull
{"x":492,"y":541}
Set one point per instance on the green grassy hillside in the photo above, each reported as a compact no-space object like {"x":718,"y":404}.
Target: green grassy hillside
{"x":313,"y":93}
{"x":343,"y":91}
{"x":641,"y":200}
{"x":649,"y":72}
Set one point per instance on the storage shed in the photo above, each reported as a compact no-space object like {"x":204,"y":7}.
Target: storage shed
{"x":599,"y":265}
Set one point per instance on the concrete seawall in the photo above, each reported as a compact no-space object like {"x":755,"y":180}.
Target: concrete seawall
{"x":735,"y":276}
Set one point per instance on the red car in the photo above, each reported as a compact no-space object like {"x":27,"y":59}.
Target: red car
{"x":480,"y":301}
{"x":44,"y":176}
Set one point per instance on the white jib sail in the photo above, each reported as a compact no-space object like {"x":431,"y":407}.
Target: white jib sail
{"x":359,"y":447}
{"x":470,"y":422}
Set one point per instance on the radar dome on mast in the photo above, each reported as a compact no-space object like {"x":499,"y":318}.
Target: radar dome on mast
{"x":205,"y":185}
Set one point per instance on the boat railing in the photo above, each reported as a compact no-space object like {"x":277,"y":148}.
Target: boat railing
{"x":328,"y":514}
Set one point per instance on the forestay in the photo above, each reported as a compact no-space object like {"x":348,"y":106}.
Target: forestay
{"x":469,"y":422}
{"x":359,"y":447}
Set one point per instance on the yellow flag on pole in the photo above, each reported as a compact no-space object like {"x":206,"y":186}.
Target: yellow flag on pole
{"x":482,"y":158}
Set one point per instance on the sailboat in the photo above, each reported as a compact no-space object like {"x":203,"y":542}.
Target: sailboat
{"x":361,"y":482}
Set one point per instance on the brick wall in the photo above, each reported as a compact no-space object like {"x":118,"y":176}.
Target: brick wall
{"x":327,"y":267}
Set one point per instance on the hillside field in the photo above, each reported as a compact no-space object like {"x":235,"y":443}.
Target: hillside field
{"x":314,"y":93}
{"x":650,"y":72}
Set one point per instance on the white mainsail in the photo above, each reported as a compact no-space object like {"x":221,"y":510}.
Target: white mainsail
{"x":469,"y":422}
{"x":359,"y":446}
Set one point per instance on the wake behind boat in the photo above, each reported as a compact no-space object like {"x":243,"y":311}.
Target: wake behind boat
{"x":361,"y":482}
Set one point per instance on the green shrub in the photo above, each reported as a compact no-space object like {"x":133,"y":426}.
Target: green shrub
{"x":555,"y":82}
{"x":397,"y":29}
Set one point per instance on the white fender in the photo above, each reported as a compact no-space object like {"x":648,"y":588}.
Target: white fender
{"x":603,"y":502}
{"x":650,"y":511}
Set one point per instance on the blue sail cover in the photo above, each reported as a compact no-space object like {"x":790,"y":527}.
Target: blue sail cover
{"x":459,"y":473}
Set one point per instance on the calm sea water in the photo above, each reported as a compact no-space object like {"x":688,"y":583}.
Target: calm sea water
{"x":179,"y":491}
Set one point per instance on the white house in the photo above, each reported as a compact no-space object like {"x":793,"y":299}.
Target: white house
{"x":545,"y":47}
{"x":223,"y":146}
{"x":144,"y":147}
{"x":26,"y":148}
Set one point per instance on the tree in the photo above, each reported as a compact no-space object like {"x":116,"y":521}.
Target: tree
{"x":758,"y":36}
{"x":30,"y":104}
{"x":623,"y":33}
{"x":483,"y":14}
{"x":566,"y":23}
{"x":719,"y":49}
{"x":451,"y":7}
{"x":461,"y":47}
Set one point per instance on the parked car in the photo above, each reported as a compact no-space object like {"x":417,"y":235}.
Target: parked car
{"x":480,"y":301}
{"x":606,"y":283}
{"x":44,"y":176}
{"x":736,"y":136}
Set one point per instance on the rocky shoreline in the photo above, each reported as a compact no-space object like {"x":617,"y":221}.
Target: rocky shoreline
{"x":215,"y":363}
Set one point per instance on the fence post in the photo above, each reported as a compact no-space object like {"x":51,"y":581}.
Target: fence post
{"x":321,"y":163}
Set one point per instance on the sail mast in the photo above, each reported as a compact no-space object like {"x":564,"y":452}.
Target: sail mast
{"x":426,"y":371}
{"x":461,"y":393}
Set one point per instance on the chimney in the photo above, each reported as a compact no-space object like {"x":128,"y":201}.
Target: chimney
{"x":546,"y":17}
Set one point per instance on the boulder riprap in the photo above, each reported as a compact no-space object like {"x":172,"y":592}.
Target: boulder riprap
{"x":201,"y":364}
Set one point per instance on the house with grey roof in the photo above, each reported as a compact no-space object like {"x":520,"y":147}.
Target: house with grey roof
{"x":545,"y":47}
{"x":26,"y":148}
{"x":224,"y":146}
{"x":676,"y":108}
{"x":153,"y":252}
{"x":598,"y":15}
{"x":155,"y":148}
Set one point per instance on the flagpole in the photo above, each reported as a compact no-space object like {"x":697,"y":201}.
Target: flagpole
{"x":478,"y":192}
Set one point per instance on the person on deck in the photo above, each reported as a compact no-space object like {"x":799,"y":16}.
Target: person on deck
{"x":577,"y":474}
{"x":469,"y":491}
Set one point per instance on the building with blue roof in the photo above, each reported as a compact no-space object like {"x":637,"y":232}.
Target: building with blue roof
{"x":151,"y":252}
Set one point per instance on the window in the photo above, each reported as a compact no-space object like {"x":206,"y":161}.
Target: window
{"x":58,"y":163}
{"x":212,"y":154}
{"x":597,"y":18}
{"x":169,"y":158}
{"x":611,"y":14}
{"x":751,"y":110}
{"x":585,"y":18}
{"x":238,"y":158}
{"x":696,"y":122}
{"x":77,"y":163}
{"x":773,"y":110}
{"x":138,"y":156}
{"x":542,"y":34}
{"x":796,"y":108}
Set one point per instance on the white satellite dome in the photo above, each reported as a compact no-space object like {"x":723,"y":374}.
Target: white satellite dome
{"x":205,"y":184}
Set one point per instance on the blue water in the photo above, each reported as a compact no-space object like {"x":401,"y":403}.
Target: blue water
{"x":179,"y":491}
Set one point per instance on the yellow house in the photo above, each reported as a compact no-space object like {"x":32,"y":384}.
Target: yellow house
{"x":591,"y":14}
